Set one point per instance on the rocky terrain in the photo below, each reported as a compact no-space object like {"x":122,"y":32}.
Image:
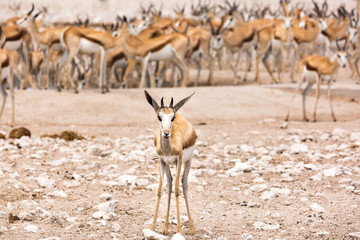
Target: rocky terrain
{"x":253,"y":176}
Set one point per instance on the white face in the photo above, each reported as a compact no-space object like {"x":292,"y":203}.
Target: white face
{"x":353,"y":33}
{"x":166,"y":117}
{"x":217,"y":42}
{"x":323,"y":24}
{"x":341,"y":58}
{"x":287,"y":22}
{"x":229,"y":23}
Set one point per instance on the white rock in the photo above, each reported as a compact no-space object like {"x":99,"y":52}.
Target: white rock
{"x":355,"y":235}
{"x":281,"y":191}
{"x":105,"y":196}
{"x":247,"y":236}
{"x":238,"y":169}
{"x":310,"y":166}
{"x":116,"y":227}
{"x":44,"y":181}
{"x":151,"y":235}
{"x":107,"y":207}
{"x":284,"y":125}
{"x":178,"y":236}
{"x":247,"y":148}
{"x":125,"y":180}
{"x":266,"y":227}
{"x":51,"y":238}
{"x":316,"y":177}
{"x":322,"y":234}
{"x":254,"y":204}
{"x":316,"y":207}
{"x":58,"y":162}
{"x":98,"y":214}
{"x":297,"y":148}
{"x":59,"y":194}
{"x":332,"y":172}
{"x":258,"y":187}
{"x":355,"y":136}
{"x":31,"y":228}
{"x":267,"y":195}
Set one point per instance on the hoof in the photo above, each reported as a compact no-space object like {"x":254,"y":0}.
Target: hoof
{"x":314,"y":120}
{"x":306,"y":120}
{"x":334,"y":120}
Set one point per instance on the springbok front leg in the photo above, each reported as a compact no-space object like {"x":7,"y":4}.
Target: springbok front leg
{"x":185,"y":190}
{"x":177,"y":191}
{"x":169,"y":180}
{"x":162,"y":167}
{"x":317,"y":96}
{"x":329,"y":96}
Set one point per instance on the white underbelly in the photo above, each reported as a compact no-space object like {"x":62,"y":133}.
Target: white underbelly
{"x":89,"y":47}
{"x":12,"y":45}
{"x":5,"y":72}
{"x":163,"y":54}
{"x":187,"y":155}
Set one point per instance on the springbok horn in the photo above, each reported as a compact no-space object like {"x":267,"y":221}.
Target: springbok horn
{"x":337,"y":44}
{"x":32,"y":9}
{"x":171,"y":103}
{"x":162,"y":102}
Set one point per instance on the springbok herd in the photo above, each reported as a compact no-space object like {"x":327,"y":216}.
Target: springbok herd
{"x":154,"y":50}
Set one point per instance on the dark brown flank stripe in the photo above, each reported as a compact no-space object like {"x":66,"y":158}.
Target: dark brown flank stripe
{"x":14,"y":37}
{"x":310,"y":68}
{"x":160,"y":46}
{"x":191,"y":141}
{"x":5,"y":63}
{"x":91,"y":39}
{"x":250,"y":38}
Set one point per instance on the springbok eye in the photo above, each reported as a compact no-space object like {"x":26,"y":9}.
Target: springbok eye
{"x":159,"y":118}
{"x":173,"y":119}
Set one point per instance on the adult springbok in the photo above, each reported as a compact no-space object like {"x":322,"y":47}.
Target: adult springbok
{"x":6,"y":76}
{"x":315,"y":68}
{"x":175,"y":144}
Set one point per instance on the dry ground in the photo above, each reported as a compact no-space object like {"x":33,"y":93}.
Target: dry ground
{"x":271,"y":195}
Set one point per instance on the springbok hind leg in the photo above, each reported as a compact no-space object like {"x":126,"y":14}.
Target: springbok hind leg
{"x":185,"y":190}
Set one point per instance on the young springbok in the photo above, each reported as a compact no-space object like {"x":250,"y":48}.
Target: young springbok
{"x":314,"y":69}
{"x":175,"y":144}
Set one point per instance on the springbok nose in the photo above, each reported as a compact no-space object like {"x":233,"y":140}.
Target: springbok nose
{"x":166,"y":134}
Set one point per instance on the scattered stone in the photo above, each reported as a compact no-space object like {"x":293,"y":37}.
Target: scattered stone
{"x":106,"y":196}
{"x":59,"y":194}
{"x":71,"y":136}
{"x":51,"y":238}
{"x":267,"y":195}
{"x":258,"y":187}
{"x":355,"y":235}
{"x":284,"y":125}
{"x":151,"y":235}
{"x":316,"y":208}
{"x":2,"y":136}
{"x":247,"y":236}
{"x":311,"y":166}
{"x":32,"y":228}
{"x":178,"y":236}
{"x":266,"y":227}
{"x":239,"y":168}
{"x":298,"y":148}
{"x":19,"y":132}
{"x":44,"y":181}
{"x":254,"y":204}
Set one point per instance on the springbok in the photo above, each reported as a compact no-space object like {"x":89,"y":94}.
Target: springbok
{"x":175,"y":144}
{"x":315,"y":68}
{"x":6,"y":76}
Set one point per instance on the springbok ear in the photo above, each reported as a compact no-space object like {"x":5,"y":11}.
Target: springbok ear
{"x":0,"y":31}
{"x":151,"y":101}
{"x":182,"y":102}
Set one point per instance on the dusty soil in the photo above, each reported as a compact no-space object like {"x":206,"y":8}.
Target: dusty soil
{"x":251,"y":179}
